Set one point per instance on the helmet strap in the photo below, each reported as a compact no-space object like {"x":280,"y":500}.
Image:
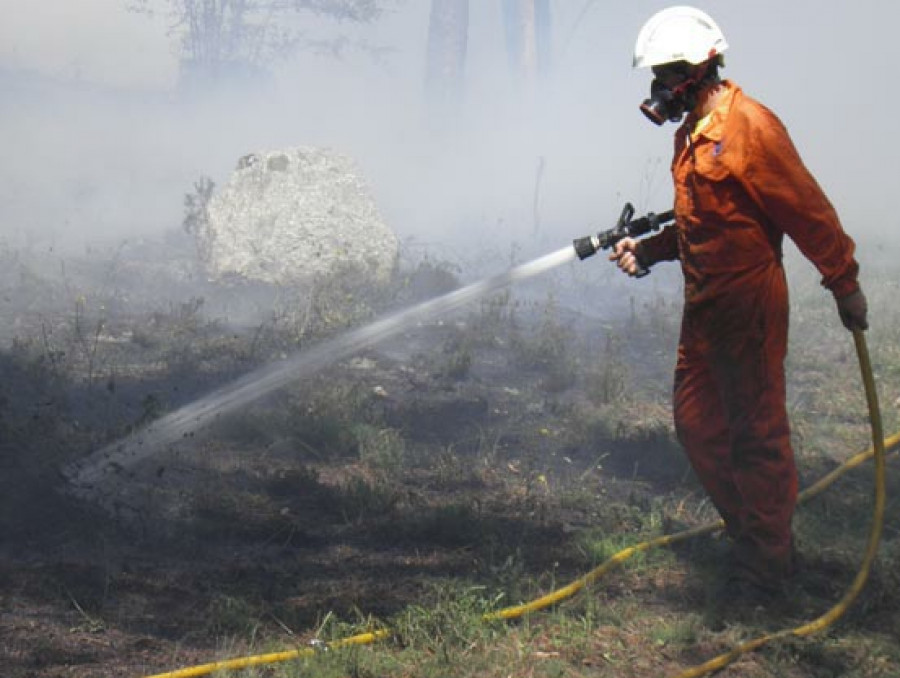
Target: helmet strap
{"x":707,"y":74}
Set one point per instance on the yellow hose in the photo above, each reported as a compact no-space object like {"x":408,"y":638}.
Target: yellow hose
{"x":667,"y":540}
{"x":878,"y":450}
{"x":595,"y":574}
{"x":271,"y":658}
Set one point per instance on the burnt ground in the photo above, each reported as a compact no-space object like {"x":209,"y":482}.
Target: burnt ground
{"x":477,"y":449}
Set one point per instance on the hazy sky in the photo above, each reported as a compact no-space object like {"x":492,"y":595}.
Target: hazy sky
{"x":98,"y":145}
{"x":93,"y":40}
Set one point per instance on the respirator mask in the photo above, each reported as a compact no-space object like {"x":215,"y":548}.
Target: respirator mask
{"x":674,"y":90}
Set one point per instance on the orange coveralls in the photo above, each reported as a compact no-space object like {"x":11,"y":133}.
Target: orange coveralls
{"x":740,"y":185}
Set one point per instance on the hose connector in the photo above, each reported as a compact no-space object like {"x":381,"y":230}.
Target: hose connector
{"x":586,"y":247}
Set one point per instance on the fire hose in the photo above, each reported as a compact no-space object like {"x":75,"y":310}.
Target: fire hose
{"x":878,"y":451}
{"x":586,"y":247}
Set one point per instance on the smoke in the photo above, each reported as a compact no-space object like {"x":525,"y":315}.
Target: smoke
{"x":91,"y":156}
{"x":100,"y":144}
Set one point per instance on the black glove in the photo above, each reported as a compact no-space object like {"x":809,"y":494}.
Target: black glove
{"x":853,"y":310}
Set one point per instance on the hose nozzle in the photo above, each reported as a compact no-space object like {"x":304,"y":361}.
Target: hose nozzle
{"x":586,"y":247}
{"x":626,"y":227}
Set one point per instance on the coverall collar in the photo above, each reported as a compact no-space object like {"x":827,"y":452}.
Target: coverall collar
{"x":714,"y":128}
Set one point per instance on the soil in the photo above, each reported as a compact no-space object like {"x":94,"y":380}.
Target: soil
{"x":262,"y":540}
{"x":458,"y":451}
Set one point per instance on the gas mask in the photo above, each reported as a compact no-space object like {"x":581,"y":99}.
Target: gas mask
{"x":664,"y":103}
{"x":674,"y":90}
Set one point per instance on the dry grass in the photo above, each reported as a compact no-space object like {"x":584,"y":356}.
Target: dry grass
{"x":535,"y":450}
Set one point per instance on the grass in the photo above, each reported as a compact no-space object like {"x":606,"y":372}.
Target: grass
{"x":535,"y":494}
{"x":630,"y":625}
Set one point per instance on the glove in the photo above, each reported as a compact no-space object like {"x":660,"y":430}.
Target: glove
{"x":853,"y":310}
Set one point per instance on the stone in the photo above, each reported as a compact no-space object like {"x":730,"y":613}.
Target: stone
{"x":293,"y":216}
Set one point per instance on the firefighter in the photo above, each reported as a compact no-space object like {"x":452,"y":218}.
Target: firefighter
{"x":740,"y":186}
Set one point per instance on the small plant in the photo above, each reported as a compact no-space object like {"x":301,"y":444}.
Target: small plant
{"x":549,"y":348}
{"x":452,"y":469}
{"x":456,"y":359}
{"x":89,"y":622}
{"x":235,"y":514}
{"x":383,"y":449}
{"x":452,"y":620}
{"x":196,"y":206}
{"x":364,"y":498}
{"x":607,"y":379}
{"x":494,"y":318}
{"x":229,"y":615}
{"x":332,"y":419}
{"x":426,"y":279}
{"x":344,"y":297}
{"x":87,"y":337}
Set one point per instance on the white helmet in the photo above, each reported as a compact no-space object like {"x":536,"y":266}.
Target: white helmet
{"x":678,"y":34}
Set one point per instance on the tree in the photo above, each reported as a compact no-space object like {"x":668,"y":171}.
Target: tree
{"x":527,"y":41}
{"x":241,"y":38}
{"x":448,"y":34}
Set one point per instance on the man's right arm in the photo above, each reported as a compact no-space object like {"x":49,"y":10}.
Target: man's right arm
{"x":660,"y":247}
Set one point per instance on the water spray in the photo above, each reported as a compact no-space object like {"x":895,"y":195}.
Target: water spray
{"x":85,"y":474}
{"x":118,"y":457}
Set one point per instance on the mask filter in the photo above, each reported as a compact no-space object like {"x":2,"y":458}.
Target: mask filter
{"x":664,"y":104}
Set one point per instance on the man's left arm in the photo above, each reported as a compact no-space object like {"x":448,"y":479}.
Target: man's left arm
{"x":793,"y":200}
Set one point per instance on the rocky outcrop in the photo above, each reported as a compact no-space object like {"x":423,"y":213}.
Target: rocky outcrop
{"x":292,"y":216}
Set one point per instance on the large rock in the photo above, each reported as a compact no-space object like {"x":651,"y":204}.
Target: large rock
{"x":291,"y":216}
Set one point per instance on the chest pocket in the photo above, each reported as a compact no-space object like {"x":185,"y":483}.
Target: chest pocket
{"x":709,"y":182}
{"x":708,"y":162}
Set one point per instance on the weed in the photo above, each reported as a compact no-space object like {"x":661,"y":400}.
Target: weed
{"x":323,"y":445}
{"x":450,"y":621}
{"x":366,"y":499}
{"x":607,"y":380}
{"x":87,"y":339}
{"x":343,"y":297}
{"x":89,"y":623}
{"x":490,"y":444}
{"x":548,"y":348}
{"x":196,"y":206}
{"x":294,"y":482}
{"x":453,"y":470}
{"x":450,"y":526}
{"x":229,"y":615}
{"x":382,"y":449}
{"x":600,"y":549}
{"x":426,"y":279}
{"x":336,"y":419}
{"x":494,"y":319}
{"x":680,"y":631}
{"x":235,"y":514}
{"x":456,"y":359}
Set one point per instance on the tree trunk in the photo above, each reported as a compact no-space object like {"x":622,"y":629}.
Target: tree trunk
{"x":527,"y":42}
{"x":448,"y":34}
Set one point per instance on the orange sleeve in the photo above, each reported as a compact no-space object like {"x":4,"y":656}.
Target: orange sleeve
{"x":660,"y":247}
{"x":778,"y":181}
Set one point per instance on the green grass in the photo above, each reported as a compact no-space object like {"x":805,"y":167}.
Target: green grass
{"x":657,"y":615}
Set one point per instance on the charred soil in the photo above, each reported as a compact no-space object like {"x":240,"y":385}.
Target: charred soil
{"x":477,"y":450}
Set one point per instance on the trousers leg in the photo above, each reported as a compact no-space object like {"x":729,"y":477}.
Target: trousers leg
{"x":731,"y":417}
{"x":702,"y":428}
{"x":750,"y":371}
